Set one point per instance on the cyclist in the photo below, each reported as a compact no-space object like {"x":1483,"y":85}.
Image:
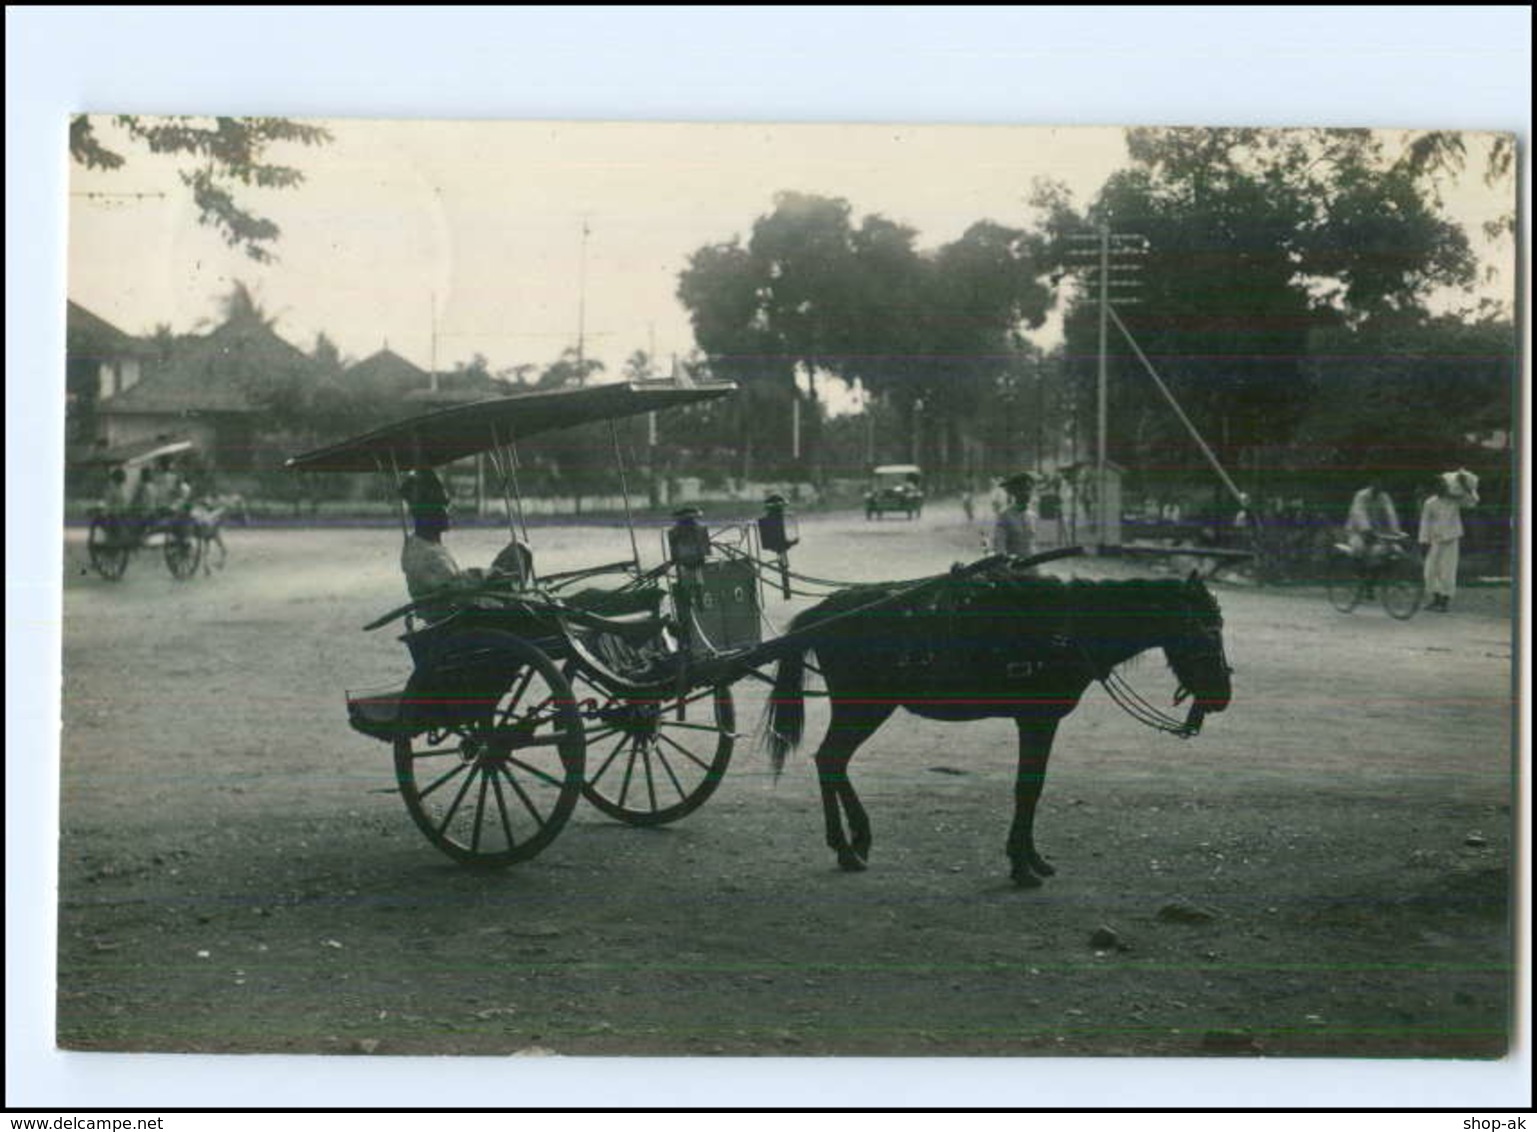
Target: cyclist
{"x":1370,"y":528}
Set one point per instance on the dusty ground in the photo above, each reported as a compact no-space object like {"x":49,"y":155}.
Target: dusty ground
{"x":236,"y":873}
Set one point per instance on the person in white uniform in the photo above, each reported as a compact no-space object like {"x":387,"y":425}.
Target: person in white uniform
{"x":1441,"y":534}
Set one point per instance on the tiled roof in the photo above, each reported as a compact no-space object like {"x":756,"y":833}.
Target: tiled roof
{"x":213,"y":374}
{"x":88,"y":335}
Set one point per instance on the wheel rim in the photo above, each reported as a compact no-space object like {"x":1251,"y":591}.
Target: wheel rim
{"x":1402,"y":594}
{"x":647,"y":766}
{"x":109,"y":559}
{"x":497,"y":789}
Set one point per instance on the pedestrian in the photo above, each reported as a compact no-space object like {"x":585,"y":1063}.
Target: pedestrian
{"x":1441,"y":534}
{"x":1014,"y":532}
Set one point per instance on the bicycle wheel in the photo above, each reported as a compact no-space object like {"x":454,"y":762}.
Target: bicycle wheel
{"x":1344,"y":583}
{"x":1402,"y":588}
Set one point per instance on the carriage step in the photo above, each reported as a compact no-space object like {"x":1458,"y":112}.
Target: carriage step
{"x":378,"y":716}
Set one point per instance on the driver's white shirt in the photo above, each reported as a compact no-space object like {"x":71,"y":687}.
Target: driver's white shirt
{"x":428,"y":567}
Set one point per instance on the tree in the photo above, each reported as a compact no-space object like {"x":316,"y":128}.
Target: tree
{"x":229,"y":157}
{"x":813,"y":294}
{"x":1257,"y":240}
{"x":569,"y":371}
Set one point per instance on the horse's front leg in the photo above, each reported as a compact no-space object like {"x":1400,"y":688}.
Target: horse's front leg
{"x":1035,"y":739}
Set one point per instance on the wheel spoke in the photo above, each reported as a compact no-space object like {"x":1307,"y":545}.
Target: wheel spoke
{"x":480,"y":815}
{"x":645,"y":754}
{"x":542,"y":775}
{"x":515,"y":695}
{"x":452,"y":773}
{"x":528,"y":803}
{"x":453,"y":808}
{"x":671,"y":774}
{"x":501,"y":807}
{"x":612,"y":755}
{"x":684,"y":750}
{"x":674,"y":725}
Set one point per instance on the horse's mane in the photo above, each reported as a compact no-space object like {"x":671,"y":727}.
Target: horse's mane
{"x":1007,"y":590}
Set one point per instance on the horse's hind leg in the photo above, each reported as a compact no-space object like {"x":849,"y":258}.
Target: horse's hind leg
{"x":849,"y":728}
{"x":1035,"y":739}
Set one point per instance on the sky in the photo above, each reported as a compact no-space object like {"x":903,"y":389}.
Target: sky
{"x":474,"y":230}
{"x":447,"y":239}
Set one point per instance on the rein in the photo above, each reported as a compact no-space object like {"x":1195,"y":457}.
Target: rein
{"x":1129,"y":700}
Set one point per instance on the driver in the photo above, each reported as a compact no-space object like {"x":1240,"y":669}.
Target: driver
{"x":430,"y":569}
{"x":427,"y":564}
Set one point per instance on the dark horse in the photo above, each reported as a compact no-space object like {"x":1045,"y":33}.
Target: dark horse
{"x":996,"y":643}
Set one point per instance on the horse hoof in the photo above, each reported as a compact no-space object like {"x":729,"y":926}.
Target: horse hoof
{"x":851,"y":862}
{"x":1041,"y":868}
{"x":1024,"y":878}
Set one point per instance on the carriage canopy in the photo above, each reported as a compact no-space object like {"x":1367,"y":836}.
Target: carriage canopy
{"x":446,"y":435}
{"x":134,"y":454}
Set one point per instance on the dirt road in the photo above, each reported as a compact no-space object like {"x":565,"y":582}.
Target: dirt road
{"x":1324,"y":871}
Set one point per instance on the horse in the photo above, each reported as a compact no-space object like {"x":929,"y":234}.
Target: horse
{"x":999,"y":643}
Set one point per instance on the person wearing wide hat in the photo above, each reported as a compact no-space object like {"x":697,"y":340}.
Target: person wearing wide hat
{"x":1014,"y":532}
{"x":427,"y":564}
{"x":1441,"y":531}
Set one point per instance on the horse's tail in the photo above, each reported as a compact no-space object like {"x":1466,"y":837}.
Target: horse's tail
{"x":785,"y":720}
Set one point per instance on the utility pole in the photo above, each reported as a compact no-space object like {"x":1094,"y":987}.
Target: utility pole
{"x":432,"y":360}
{"x":1108,"y":254}
{"x":581,"y":305}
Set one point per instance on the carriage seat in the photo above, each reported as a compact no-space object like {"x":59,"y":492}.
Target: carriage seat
{"x":635,"y":628}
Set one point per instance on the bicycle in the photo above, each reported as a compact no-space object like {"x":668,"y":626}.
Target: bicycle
{"x":1394,"y":577}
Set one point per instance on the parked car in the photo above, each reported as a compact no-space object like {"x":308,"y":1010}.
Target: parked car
{"x":895,"y":487}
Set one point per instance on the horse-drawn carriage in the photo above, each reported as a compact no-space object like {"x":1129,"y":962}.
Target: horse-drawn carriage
{"x":529,"y":691}
{"x":122,"y":524}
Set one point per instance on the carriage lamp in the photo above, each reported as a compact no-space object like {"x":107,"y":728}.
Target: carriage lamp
{"x":778,"y":532}
{"x":688,"y":542}
{"x":777,"y":529}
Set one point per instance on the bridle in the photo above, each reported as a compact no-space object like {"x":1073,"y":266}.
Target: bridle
{"x":1129,"y":700}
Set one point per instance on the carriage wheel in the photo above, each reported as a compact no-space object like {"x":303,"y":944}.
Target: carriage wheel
{"x":1401,"y":588}
{"x":1344,"y":583}
{"x":496,"y":790}
{"x":182,"y":554}
{"x":654,"y":758}
{"x":109,"y":554}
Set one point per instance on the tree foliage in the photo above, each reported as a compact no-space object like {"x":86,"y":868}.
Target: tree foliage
{"x":813,"y":294}
{"x":1258,"y":241}
{"x":228,"y":157}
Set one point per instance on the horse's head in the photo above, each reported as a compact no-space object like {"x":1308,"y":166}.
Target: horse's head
{"x":1196,"y":655}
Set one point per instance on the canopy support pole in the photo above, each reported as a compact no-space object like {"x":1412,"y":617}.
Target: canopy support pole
{"x":400,"y":502}
{"x":624,"y":490}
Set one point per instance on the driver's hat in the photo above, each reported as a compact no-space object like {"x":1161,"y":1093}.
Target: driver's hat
{"x":1019,"y":483}
{"x":424,"y":492}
